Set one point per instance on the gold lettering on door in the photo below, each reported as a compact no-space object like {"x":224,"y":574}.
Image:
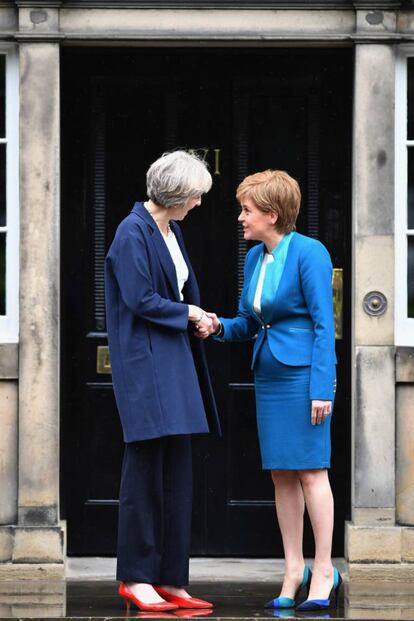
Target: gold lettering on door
{"x":211,"y":156}
{"x":217,"y":153}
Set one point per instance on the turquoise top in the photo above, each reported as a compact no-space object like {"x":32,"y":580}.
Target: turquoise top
{"x":273,"y":275}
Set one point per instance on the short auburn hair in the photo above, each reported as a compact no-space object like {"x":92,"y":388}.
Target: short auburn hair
{"x":273,"y":190}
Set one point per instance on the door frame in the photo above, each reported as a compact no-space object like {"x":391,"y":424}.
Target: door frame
{"x":218,"y":44}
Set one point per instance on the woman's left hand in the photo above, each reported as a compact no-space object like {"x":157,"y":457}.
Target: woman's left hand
{"x":320,"y":411}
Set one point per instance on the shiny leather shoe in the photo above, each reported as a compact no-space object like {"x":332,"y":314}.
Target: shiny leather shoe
{"x":187,"y":614}
{"x":323,"y":604}
{"x":289,"y":602}
{"x":129,"y":598}
{"x":182,"y":602}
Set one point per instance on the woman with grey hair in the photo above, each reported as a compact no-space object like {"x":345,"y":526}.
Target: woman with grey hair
{"x":153,"y":309}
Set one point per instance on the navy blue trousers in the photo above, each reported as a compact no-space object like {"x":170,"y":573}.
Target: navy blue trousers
{"x":155,"y":500}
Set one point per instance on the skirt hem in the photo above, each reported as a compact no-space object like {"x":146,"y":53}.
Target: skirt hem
{"x":303,"y":467}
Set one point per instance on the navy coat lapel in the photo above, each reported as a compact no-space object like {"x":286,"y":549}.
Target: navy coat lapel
{"x":160,"y":246}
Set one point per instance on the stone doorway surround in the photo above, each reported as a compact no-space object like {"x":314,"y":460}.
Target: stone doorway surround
{"x":380,"y":535}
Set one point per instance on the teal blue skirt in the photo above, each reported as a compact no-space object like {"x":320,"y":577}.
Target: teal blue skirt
{"x":288,"y":440}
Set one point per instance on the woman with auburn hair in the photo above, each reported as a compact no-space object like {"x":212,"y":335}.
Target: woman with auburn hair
{"x":286,"y":303}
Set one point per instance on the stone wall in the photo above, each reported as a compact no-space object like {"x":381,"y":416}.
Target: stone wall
{"x":31,"y":536}
{"x":380,"y":536}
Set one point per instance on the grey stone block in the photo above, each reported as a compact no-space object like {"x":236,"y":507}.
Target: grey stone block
{"x":38,"y":516}
{"x":38,"y":19}
{"x":373,"y":257}
{"x":377,"y":572}
{"x":405,"y":454}
{"x":6,"y":543}
{"x":8,"y":19}
{"x":369,"y":544}
{"x":8,"y":452}
{"x":373,"y":155}
{"x":374,"y":424}
{"x":404,"y":364}
{"x":32,"y":571}
{"x":376,"y":20}
{"x":38,"y":545}
{"x":9,"y":360}
{"x":373,"y":517}
{"x":205,"y":24}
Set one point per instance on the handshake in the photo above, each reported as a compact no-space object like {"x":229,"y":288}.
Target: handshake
{"x":205,"y":323}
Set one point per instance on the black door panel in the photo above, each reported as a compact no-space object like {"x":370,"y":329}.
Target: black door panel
{"x":244,"y":110}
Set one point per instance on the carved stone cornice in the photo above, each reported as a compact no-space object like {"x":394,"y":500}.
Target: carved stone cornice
{"x":384,"y":5}
{"x":374,"y":5}
{"x":44,"y":4}
{"x":220,"y":4}
{"x":188,"y":40}
{"x":41,"y":38}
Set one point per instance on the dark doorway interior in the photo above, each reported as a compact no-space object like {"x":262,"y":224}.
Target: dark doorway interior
{"x":246,"y":110}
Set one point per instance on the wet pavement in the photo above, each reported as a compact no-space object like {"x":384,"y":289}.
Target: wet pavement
{"x":91,"y":599}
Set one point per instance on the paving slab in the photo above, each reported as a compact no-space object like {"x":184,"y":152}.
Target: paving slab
{"x":98,"y":601}
{"x":201,"y":569}
{"x":92,"y":599}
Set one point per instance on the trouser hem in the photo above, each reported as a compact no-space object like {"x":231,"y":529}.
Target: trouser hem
{"x":157,"y":582}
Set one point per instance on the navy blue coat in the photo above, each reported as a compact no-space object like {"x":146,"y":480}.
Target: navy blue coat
{"x":161,"y":381}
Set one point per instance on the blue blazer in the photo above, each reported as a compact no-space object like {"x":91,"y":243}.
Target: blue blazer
{"x":160,"y":378}
{"x":301,"y":331}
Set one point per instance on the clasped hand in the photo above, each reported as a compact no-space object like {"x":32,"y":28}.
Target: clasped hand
{"x":208,"y":325}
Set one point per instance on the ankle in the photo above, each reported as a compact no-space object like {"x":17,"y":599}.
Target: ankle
{"x":323,"y":567}
{"x":131,"y":585}
{"x":292,"y":569}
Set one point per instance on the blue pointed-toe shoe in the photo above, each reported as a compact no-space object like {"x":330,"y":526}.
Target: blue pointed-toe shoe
{"x":322,"y":604}
{"x":289,"y":602}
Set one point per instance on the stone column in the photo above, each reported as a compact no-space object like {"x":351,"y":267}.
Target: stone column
{"x":404,"y":452}
{"x":39,"y":283}
{"x":37,"y":541}
{"x":38,"y":498}
{"x":8,"y":448}
{"x":8,"y":440}
{"x":373,"y":540}
{"x":373,"y":481}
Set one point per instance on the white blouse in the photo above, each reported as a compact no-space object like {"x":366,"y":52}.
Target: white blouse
{"x":181,"y":268}
{"x":268,"y":258}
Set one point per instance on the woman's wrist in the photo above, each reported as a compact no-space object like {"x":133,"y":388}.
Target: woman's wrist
{"x":219,"y":330}
{"x":195,"y":313}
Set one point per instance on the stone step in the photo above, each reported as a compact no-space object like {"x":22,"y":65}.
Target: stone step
{"x":91,"y":599}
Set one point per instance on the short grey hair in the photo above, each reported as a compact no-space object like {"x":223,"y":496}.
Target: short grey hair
{"x":175,"y":177}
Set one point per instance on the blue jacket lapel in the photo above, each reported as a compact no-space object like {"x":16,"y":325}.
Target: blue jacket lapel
{"x":274,"y":278}
{"x":160,"y":246}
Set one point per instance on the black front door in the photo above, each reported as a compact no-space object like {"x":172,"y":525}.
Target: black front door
{"x":244,"y":110}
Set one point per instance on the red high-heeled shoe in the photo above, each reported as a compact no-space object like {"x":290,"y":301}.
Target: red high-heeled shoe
{"x":182,"y":602}
{"x":186,"y":613}
{"x":129,"y":598}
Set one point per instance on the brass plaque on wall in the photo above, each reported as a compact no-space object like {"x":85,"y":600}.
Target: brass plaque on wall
{"x":337,"y":286}
{"x":103,"y":364}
